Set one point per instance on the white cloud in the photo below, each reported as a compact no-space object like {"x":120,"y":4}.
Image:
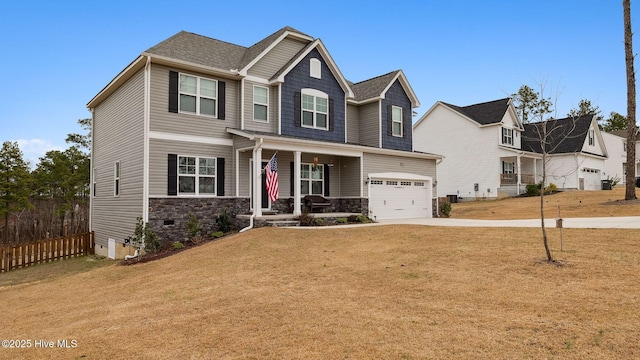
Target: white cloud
{"x":34,"y":149}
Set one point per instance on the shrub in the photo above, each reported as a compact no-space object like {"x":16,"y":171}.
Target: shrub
{"x":533,"y":189}
{"x":445,"y":208}
{"x":307,"y":219}
{"x":352,"y":218}
{"x":319,"y":221}
{"x":177,"y":245}
{"x":615,"y":180}
{"x":341,"y":220}
{"x":552,"y":188}
{"x":217,"y":234}
{"x":143,"y":235}
{"x":223,"y":222}
{"x":363,"y":219}
{"x":193,"y":227}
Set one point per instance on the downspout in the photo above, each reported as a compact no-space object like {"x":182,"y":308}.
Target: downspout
{"x":255,"y":183}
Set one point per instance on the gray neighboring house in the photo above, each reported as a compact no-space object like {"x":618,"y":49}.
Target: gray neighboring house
{"x":188,"y":126}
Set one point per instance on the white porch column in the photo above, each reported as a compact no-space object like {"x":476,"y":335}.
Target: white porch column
{"x":535,"y":170}
{"x":296,"y":186}
{"x":257,"y":182}
{"x":519,"y":176}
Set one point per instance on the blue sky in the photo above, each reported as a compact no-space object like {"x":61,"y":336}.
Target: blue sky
{"x":56,"y":55}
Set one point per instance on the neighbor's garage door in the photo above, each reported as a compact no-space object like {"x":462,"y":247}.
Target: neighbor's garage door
{"x":399,"y":198}
{"x":592,"y":179}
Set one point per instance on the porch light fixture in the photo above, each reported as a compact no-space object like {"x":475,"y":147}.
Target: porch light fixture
{"x":315,"y":161}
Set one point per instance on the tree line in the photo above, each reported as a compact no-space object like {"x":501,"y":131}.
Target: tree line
{"x":52,"y":199}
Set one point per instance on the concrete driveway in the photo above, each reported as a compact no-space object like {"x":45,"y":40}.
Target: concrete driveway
{"x":627,"y":222}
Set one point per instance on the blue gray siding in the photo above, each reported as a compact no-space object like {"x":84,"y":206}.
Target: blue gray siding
{"x":299,"y":78}
{"x":396,"y":96}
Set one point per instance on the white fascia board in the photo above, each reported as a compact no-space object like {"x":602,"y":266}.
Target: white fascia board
{"x":407,"y":88}
{"x":299,"y":144}
{"x":117,"y":81}
{"x":190,"y":138}
{"x":317,"y":44}
{"x":400,"y":176}
{"x":187,"y":65}
{"x":284,"y":35}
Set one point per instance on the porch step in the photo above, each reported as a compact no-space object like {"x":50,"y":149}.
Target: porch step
{"x":281,"y":223}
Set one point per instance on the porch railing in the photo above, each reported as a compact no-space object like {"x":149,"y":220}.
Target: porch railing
{"x":512,"y":179}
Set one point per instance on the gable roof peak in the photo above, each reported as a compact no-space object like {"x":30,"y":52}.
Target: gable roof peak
{"x":485,"y":113}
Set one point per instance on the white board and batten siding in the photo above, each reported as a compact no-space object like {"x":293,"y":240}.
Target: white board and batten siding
{"x":118,"y":136}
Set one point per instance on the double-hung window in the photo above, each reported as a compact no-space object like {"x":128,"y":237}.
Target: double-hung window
{"x":396,"y":121}
{"x":508,"y":167}
{"x":260,"y":103}
{"x":198,"y":95}
{"x":315,"y":109}
{"x":592,"y":137}
{"x":196,"y":175}
{"x":507,"y":136}
{"x":311,"y":179}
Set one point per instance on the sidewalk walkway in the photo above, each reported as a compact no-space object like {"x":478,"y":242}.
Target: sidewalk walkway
{"x":628,"y":222}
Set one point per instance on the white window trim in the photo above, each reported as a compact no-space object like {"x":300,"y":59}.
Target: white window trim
{"x":394,"y":121}
{"x":592,"y":137}
{"x":310,"y":180}
{"x":510,"y":165}
{"x":117,"y":174}
{"x":197,"y":177}
{"x":507,"y":134}
{"x":263,"y":104}
{"x":316,"y":94}
{"x":315,"y":68}
{"x":198,"y":96}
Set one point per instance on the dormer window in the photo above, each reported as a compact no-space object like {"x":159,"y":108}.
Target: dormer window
{"x":592,"y":137}
{"x":316,"y":68}
{"x":507,"y":136}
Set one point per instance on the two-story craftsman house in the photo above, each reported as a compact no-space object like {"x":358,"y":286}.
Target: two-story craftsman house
{"x":188,"y":126}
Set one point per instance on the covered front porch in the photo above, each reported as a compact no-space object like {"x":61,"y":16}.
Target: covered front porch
{"x":517,"y":171}
{"x":303,"y":168}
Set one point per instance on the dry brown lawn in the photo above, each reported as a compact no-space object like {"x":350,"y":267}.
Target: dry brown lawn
{"x":601,"y":203}
{"x":384,"y":292}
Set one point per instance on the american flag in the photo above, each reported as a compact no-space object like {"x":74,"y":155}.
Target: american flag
{"x":272,"y":178}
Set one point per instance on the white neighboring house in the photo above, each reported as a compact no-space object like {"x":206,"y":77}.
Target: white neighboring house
{"x":576,"y":152}
{"x":616,"y":143}
{"x":481,"y":144}
{"x":488,"y":152}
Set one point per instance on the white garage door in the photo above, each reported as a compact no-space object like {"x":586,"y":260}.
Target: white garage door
{"x":399,"y":197}
{"x":592,"y":179}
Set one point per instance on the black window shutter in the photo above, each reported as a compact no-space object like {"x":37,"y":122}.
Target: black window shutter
{"x":220,"y":177}
{"x":297,"y":109}
{"x":292,"y":177}
{"x":389,"y":120}
{"x":173,"y":91}
{"x":172,"y":175}
{"x":326,"y":180}
{"x":331,"y":119}
{"x":221,"y":99}
{"x":406,"y":121}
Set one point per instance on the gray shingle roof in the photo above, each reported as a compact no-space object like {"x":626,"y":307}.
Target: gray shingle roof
{"x":371,"y":88}
{"x":202,"y":50}
{"x":563,"y":135}
{"x":486,"y":113}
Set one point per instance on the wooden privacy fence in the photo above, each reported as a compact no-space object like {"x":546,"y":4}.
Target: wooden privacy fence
{"x":20,"y":256}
